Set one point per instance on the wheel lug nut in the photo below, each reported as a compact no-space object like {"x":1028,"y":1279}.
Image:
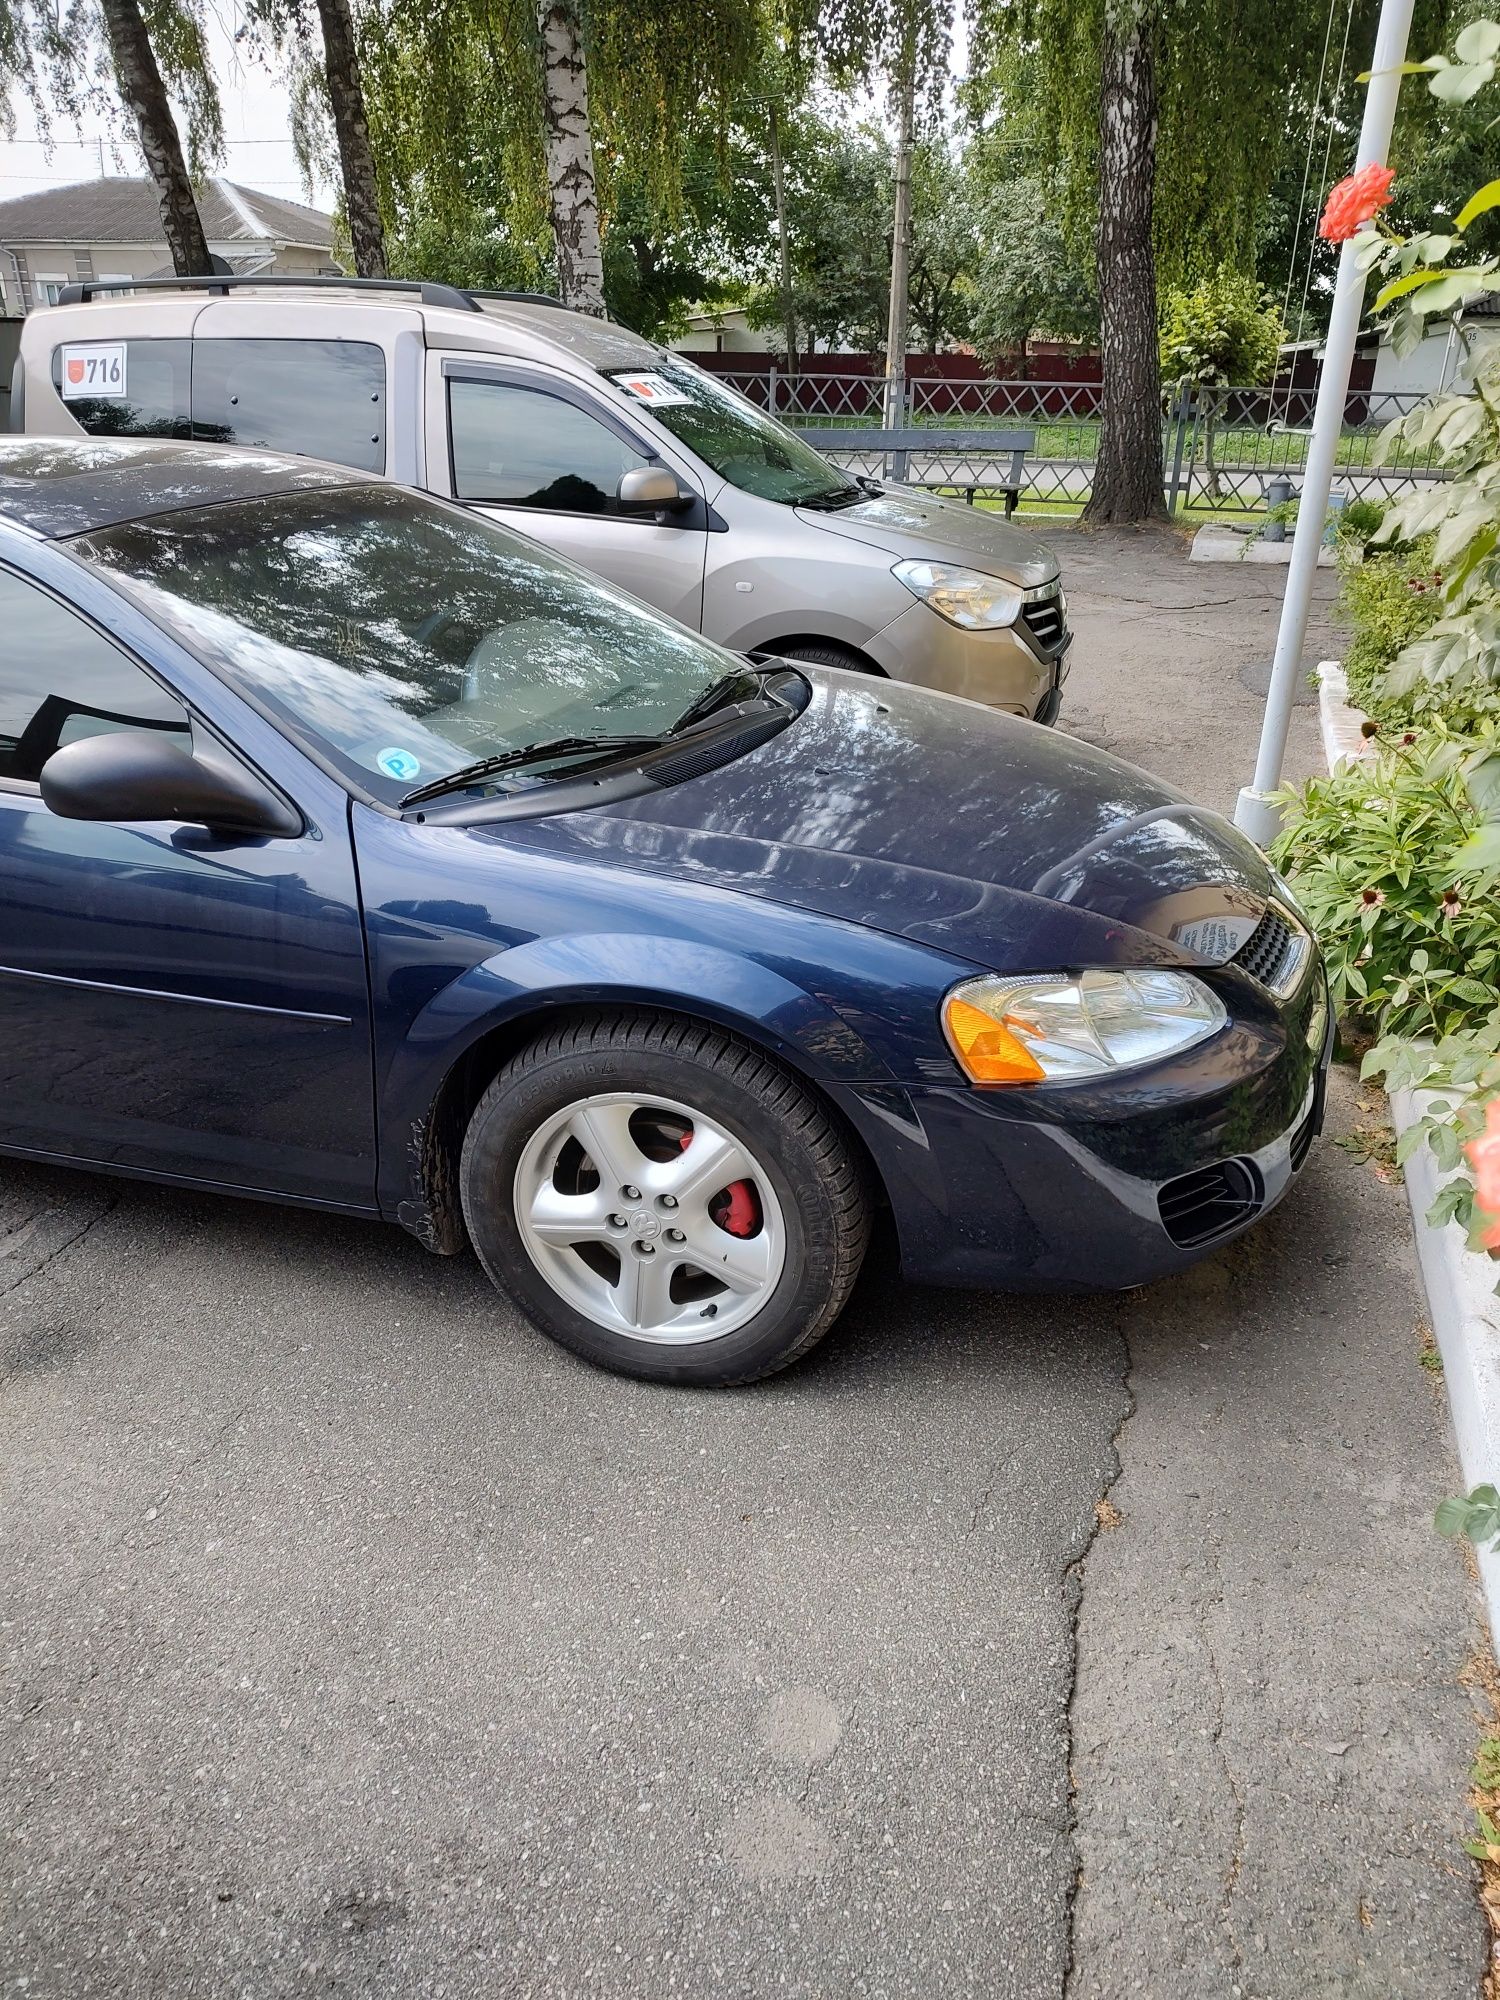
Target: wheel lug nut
{"x":646,"y":1249}
{"x":631,"y":1193}
{"x":669,"y":1201}
{"x":617,"y":1222}
{"x":676,"y":1236}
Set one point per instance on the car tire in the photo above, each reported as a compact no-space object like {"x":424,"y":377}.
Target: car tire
{"x":826,"y":653}
{"x":645,"y":1091}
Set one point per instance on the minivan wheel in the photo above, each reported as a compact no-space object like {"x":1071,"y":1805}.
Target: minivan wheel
{"x":664,"y":1200}
{"x":826,"y":653}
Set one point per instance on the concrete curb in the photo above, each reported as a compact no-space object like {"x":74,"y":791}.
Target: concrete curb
{"x":1460,"y":1283}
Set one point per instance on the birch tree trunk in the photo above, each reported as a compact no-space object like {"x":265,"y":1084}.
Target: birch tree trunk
{"x":356,"y":155}
{"x":570,"y":157}
{"x":1128,"y":473}
{"x":144,"y":96}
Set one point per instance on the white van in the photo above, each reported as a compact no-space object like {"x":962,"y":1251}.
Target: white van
{"x":628,"y":458}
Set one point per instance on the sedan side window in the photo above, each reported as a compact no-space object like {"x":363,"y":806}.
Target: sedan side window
{"x":525,"y":448}
{"x":61,"y":680}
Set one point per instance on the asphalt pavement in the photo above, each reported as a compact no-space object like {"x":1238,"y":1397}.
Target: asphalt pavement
{"x":358,"y":1641}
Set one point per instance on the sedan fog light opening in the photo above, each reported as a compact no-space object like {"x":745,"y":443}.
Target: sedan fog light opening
{"x":963,"y":596}
{"x":1054,"y":1028}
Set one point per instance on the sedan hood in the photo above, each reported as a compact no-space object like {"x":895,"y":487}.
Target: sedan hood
{"x":926,"y":527}
{"x":993,"y":839}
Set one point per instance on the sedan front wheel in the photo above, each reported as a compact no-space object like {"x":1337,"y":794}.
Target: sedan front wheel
{"x":664,"y":1200}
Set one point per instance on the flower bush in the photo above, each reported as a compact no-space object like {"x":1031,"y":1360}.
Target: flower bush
{"x":1390,"y":598}
{"x":1398,"y":860}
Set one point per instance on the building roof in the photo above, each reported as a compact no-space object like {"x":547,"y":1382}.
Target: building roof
{"x":124,"y":209}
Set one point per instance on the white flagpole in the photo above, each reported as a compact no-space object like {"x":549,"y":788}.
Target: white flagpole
{"x":1254,"y":813}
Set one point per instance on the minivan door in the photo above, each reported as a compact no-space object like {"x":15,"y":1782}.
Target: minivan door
{"x":540,"y":453}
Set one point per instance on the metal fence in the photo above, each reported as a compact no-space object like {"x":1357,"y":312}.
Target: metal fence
{"x":1221,"y":448}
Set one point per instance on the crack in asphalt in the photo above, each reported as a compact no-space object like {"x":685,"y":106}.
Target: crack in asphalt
{"x":1236,"y":1792}
{"x":111,"y":1203}
{"x":1075,"y":1573}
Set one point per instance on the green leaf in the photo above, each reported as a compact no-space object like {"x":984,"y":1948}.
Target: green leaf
{"x":1399,"y":286}
{"x":1452,"y":1518}
{"x":1478,"y":43}
{"x":1458,"y":82}
{"x":1487,"y":198}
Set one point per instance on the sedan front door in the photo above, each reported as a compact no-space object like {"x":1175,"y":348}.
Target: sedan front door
{"x":171,"y":1000}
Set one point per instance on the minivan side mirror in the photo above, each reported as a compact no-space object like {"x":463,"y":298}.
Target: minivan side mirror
{"x":648,"y":489}
{"x":130,"y":774}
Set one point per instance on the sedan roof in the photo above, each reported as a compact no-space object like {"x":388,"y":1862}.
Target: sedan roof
{"x":70,"y":486}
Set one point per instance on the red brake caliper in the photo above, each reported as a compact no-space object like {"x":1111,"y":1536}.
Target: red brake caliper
{"x":735,"y":1208}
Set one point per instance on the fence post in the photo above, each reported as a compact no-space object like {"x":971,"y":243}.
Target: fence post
{"x":901,"y":415}
{"x":771,"y":387}
{"x":1179,"y":429}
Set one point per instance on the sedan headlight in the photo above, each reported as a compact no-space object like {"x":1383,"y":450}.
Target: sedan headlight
{"x":963,"y":596}
{"x":1055,"y":1027}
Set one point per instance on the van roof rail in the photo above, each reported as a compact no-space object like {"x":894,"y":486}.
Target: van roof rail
{"x":431,"y":294}
{"x":516,"y":298}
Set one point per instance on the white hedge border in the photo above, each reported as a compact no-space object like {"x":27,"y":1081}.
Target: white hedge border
{"x":1459,"y":1282}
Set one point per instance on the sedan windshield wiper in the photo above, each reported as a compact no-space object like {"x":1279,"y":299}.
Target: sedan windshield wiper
{"x":721,"y":693}
{"x":532,"y":753}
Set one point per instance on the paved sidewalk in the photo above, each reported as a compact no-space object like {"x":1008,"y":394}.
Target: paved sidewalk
{"x":355,"y":1640}
{"x":1269,"y":1739}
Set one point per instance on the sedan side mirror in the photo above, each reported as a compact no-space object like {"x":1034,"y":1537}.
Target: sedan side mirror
{"x":648,"y":489}
{"x":130,"y":774}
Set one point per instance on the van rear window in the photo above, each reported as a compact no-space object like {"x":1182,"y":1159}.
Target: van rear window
{"x":157,"y":390}
{"x":322,"y":398}
{"x":314,"y":398}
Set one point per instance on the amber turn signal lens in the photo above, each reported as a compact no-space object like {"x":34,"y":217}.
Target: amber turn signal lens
{"x":986,"y":1049}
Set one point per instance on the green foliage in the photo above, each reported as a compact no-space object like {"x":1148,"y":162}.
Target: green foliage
{"x":1228,"y":72}
{"x":1030,"y":280}
{"x":1221,"y":330}
{"x":1385,"y":860}
{"x":1390,"y":599}
{"x":1476,"y":1518}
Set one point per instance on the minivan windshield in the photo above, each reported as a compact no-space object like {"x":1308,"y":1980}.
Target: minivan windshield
{"x":743,"y":444}
{"x":402,"y":639}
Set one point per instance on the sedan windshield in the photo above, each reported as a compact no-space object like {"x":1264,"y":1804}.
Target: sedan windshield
{"x":402,"y":639}
{"x":744,"y":445}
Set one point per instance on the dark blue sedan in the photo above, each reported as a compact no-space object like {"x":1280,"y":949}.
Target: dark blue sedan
{"x":359,"y":853}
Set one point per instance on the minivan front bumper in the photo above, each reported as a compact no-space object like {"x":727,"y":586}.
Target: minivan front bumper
{"x":1001,"y":668}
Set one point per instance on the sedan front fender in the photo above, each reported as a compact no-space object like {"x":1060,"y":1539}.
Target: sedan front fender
{"x":498,"y":1004}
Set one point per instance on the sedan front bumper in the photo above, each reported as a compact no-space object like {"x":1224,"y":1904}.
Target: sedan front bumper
{"x":1101,"y":1187}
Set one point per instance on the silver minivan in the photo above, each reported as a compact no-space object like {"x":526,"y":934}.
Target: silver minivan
{"x":632,"y":460}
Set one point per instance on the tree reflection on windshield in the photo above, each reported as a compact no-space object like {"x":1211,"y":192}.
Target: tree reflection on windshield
{"x":404,"y":637}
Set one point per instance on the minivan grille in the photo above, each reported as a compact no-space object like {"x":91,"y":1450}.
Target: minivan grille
{"x":1044,"y":621}
{"x":1209,"y":1202}
{"x":1273,"y":952}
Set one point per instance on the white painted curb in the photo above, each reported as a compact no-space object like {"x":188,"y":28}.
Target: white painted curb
{"x":1459,"y":1282}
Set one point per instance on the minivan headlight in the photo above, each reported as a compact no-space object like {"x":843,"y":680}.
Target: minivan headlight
{"x":1055,"y":1027}
{"x":963,"y":596}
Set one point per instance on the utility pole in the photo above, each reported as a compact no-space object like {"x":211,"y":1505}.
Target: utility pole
{"x":895,"y":337}
{"x":1254,"y":813}
{"x":778,"y":183}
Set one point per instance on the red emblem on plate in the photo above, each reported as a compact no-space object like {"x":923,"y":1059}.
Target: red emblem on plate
{"x":75,"y":371}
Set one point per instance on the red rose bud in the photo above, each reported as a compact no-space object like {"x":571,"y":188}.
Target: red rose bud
{"x":1356,"y":201}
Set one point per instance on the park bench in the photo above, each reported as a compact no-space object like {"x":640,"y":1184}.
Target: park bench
{"x":901,"y":446}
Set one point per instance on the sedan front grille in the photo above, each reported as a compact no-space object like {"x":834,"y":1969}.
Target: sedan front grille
{"x":1197,"y":1208}
{"x":1043,"y":619}
{"x":1274,"y":952}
